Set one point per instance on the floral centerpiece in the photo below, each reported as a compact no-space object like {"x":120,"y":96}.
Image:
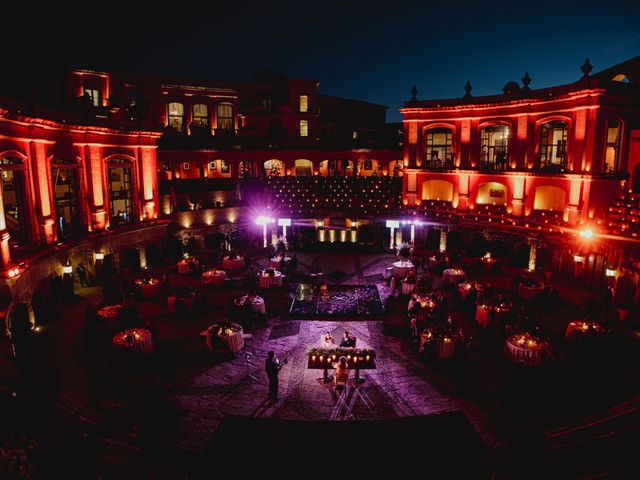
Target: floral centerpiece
{"x":404,"y":251}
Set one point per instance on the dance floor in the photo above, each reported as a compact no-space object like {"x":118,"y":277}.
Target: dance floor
{"x":337,"y":300}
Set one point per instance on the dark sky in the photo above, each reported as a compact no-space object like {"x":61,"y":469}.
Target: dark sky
{"x":372,"y":51}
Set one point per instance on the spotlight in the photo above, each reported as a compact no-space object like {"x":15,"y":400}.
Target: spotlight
{"x":586,"y":233}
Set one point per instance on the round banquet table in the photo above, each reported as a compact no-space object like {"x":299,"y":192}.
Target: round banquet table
{"x":464,"y":288}
{"x":407,"y":288}
{"x":580,"y":327}
{"x":453,"y":276}
{"x":110,"y":314}
{"x":402,"y":268}
{"x":257,"y":304}
{"x":276,"y":262}
{"x":527,"y":292}
{"x":446,"y":347}
{"x":233,"y":263}
{"x":214,"y":277}
{"x":482,"y":315}
{"x":268,"y":281}
{"x":184,"y":265}
{"x":150,"y":288}
{"x":233,"y":337}
{"x":425,"y":337}
{"x":140,"y":340}
{"x":522,"y":349}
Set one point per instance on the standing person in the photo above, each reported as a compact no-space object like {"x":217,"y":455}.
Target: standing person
{"x":272,"y":366}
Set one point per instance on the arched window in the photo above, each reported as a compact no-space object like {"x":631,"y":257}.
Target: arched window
{"x":200,"y":115}
{"x":553,"y":145}
{"x":225,"y":117}
{"x":120,"y":193}
{"x":439,"y":147}
{"x":176,"y":116}
{"x":14,"y":197}
{"x":303,"y":167}
{"x":494,"y":153}
{"x":612,"y":151}
{"x":65,"y":196}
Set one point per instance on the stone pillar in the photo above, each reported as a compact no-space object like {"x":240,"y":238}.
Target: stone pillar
{"x":517,"y":202}
{"x":5,"y":253}
{"x":93,"y":162}
{"x":575,"y":196}
{"x":149,"y":180}
{"x":43,"y":191}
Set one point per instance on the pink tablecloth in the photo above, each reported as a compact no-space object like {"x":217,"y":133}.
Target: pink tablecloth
{"x":268,"y":281}
{"x":214,"y":277}
{"x":482,"y":315}
{"x":149,"y":289}
{"x":407,"y":288}
{"x":184,"y":266}
{"x":524,"y":355}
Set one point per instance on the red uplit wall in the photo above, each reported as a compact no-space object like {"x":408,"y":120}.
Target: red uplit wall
{"x":584,"y":183}
{"x":32,"y":149}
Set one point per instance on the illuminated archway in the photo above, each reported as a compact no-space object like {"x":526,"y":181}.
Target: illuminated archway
{"x":437,"y":190}
{"x":492,"y":193}
{"x":303,"y":168}
{"x":274,"y":168}
{"x":368,"y":167}
{"x":548,"y":197}
{"x":336,"y":167}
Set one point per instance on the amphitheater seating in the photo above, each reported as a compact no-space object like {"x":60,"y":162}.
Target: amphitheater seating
{"x":316,"y":195}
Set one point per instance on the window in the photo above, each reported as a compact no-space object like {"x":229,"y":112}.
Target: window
{"x":304,"y":103}
{"x":66,"y":201}
{"x":225,"y":116}
{"x":224,"y":166}
{"x":304,"y":128}
{"x":94,"y":95}
{"x":439,"y":147}
{"x":354,"y":135}
{"x":200,"y":115}
{"x":553,"y":145}
{"x":186,"y":166}
{"x":613,"y":147}
{"x":494,"y":153}
{"x":267,"y":104}
{"x":176,"y":116}
{"x":120,"y":195}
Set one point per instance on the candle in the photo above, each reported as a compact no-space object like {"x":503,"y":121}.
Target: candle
{"x":313,"y":358}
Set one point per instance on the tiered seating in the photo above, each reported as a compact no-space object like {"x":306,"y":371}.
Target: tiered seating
{"x":317,"y":195}
{"x":623,"y":215}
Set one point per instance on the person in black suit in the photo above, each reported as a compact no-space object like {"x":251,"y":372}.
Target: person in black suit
{"x":347,"y":341}
{"x":272,"y":366}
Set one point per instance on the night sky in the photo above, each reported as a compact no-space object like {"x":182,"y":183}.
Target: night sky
{"x":372,"y":51}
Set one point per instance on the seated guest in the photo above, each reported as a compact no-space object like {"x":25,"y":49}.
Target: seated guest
{"x":327,"y":341}
{"x":347,"y":341}
{"x":342,"y":371}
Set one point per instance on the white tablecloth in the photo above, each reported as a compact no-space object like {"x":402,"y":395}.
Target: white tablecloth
{"x":268,"y":281}
{"x":140,"y":340}
{"x":452,"y":276}
{"x":401,"y":269}
{"x":524,"y":355}
{"x":214,"y":277}
{"x":233,"y":264}
{"x":234,"y":338}
{"x":446,"y":349}
{"x":149,"y":289}
{"x":257,"y":305}
{"x":407,"y":288}
{"x":275,"y":262}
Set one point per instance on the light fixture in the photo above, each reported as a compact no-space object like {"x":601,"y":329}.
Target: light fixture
{"x":578,"y":258}
{"x":99,"y":256}
{"x":586,"y":233}
{"x":67,"y":269}
{"x":610,"y":272}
